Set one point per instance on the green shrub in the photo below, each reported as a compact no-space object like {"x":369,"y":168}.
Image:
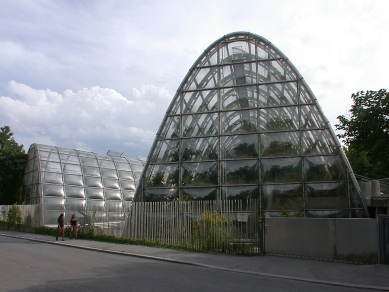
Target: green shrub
{"x":14,"y":215}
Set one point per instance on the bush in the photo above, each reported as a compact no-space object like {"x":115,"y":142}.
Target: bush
{"x":14,"y":215}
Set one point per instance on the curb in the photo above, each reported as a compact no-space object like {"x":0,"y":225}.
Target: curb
{"x":331,"y":283}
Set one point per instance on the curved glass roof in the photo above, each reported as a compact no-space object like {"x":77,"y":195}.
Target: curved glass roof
{"x":244,"y":124}
{"x":62,"y":179}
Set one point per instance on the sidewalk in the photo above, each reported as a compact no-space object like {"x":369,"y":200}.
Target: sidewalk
{"x":375,"y":277}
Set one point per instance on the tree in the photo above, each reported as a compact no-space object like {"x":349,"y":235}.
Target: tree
{"x":365,"y":133}
{"x":12,"y":163}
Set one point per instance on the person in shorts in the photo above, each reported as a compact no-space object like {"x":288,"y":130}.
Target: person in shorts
{"x":73,"y":226}
{"x":61,"y":229}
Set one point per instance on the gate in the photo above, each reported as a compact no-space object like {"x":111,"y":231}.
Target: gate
{"x":384,"y":238}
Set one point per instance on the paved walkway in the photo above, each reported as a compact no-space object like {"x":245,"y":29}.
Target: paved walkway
{"x":373,"y":277}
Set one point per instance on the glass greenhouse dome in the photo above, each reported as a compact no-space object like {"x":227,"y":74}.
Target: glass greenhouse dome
{"x":71,"y":180}
{"x":245,"y":125}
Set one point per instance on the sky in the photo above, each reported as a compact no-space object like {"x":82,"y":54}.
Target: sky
{"x":100,"y":75}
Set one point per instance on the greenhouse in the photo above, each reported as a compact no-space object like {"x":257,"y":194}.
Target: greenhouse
{"x":93,"y":185}
{"x":245,"y":125}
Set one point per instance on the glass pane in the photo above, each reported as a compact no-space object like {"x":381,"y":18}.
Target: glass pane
{"x":286,"y":199}
{"x":86,"y":154}
{"x":262,"y":50}
{"x":163,"y":175}
{"x":94,"y":171}
{"x":244,"y":121}
{"x":279,"y":119}
{"x":305,"y":95}
{"x":52,"y":156}
{"x":49,"y":177}
{"x":50,"y":166}
{"x":318,"y":142}
{"x":280,"y":144}
{"x":200,"y":125}
{"x":137,"y":167}
{"x":278,"y":94}
{"x":171,"y":128}
{"x":237,"y":51}
{"x":127,"y":185}
{"x":52,"y":190}
{"x":103,"y":156}
{"x":199,"y":149}
{"x":324,"y":168}
{"x":281,"y":170}
{"x":239,"y":98}
{"x":240,"y":146}
{"x":166,"y":151}
{"x":126,"y":175}
{"x":201,"y":78}
{"x":112,"y":195}
{"x":111,"y":183}
{"x":158,"y":195}
{"x":123,"y":166}
{"x":199,"y":194}
{"x":199,"y":174}
{"x":326,"y":196}
{"x":70,"y":157}
{"x":91,"y":181}
{"x":311,"y":117}
{"x":75,"y":180}
{"x":74,"y":192}
{"x":95,"y":208}
{"x":200,"y":101}
{"x":88,"y":161}
{"x":128,"y":195}
{"x":210,"y":58}
{"x":71,"y":168}
{"x":109,"y":173}
{"x":240,"y":172}
{"x":94,"y":193}
{"x":238,"y":74}
{"x":106,"y":164}
{"x":240,"y":193}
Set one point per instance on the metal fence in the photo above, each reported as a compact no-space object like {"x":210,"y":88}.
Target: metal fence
{"x":229,"y":226}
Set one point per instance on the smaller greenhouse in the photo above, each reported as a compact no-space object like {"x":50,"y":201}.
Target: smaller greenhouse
{"x":98,"y":188}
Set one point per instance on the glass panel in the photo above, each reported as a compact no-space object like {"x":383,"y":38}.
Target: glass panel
{"x":111,"y":183}
{"x":279,"y":119}
{"x":166,"y":151}
{"x":91,"y":181}
{"x":263,"y":72}
{"x":171,"y":128}
{"x":238,"y":74}
{"x":199,"y":174}
{"x":103,"y":156}
{"x":240,"y":146}
{"x":237,"y":51}
{"x":240,"y":172}
{"x":109,"y":173}
{"x":318,"y":142}
{"x":311,"y":117}
{"x":71,"y":168}
{"x":280,"y":144}
{"x":199,"y":194}
{"x":123,"y":166}
{"x":92,"y":193}
{"x":126,"y":175}
{"x":199,"y":149}
{"x":52,"y":156}
{"x":112,"y":195}
{"x":106,"y":164}
{"x":91,"y":171}
{"x":235,"y":122}
{"x":70,"y":158}
{"x":175,"y":107}
{"x":281,"y":170}
{"x":326,"y":196}
{"x":240,"y":193}
{"x":86,"y":154}
{"x":305,"y":95}
{"x":200,"y":101}
{"x":45,"y":147}
{"x":277,"y":70}
{"x":49,"y":177}
{"x":73,"y":180}
{"x":158,"y":195}
{"x":210,"y":58}
{"x":74,"y":192}
{"x":127,"y":185}
{"x":54,"y":203}
{"x":137,"y":167}
{"x":52,"y":190}
{"x":88,"y":161}
{"x":163,"y":175}
{"x":262,"y":50}
{"x":286,"y":198}
{"x":95,"y":208}
{"x":324,"y":168}
{"x":201,"y":78}
{"x":239,"y":98}
{"x":128,"y":195}
{"x":50,"y":166}
{"x":73,"y":204}
{"x":200,"y":125}
{"x":278,"y":94}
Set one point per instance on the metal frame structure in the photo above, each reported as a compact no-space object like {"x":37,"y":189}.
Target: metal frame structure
{"x":245,"y":125}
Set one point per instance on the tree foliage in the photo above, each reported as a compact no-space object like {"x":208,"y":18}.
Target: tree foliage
{"x":365,"y":132}
{"x":12,"y":163}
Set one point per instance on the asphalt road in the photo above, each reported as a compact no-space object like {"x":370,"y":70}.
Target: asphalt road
{"x":34,"y":266}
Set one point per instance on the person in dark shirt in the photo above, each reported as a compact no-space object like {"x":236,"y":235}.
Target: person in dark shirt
{"x":60,"y":222}
{"x":73,"y":226}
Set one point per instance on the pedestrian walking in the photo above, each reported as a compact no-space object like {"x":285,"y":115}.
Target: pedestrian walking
{"x":60,"y":222}
{"x":73,"y":226}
